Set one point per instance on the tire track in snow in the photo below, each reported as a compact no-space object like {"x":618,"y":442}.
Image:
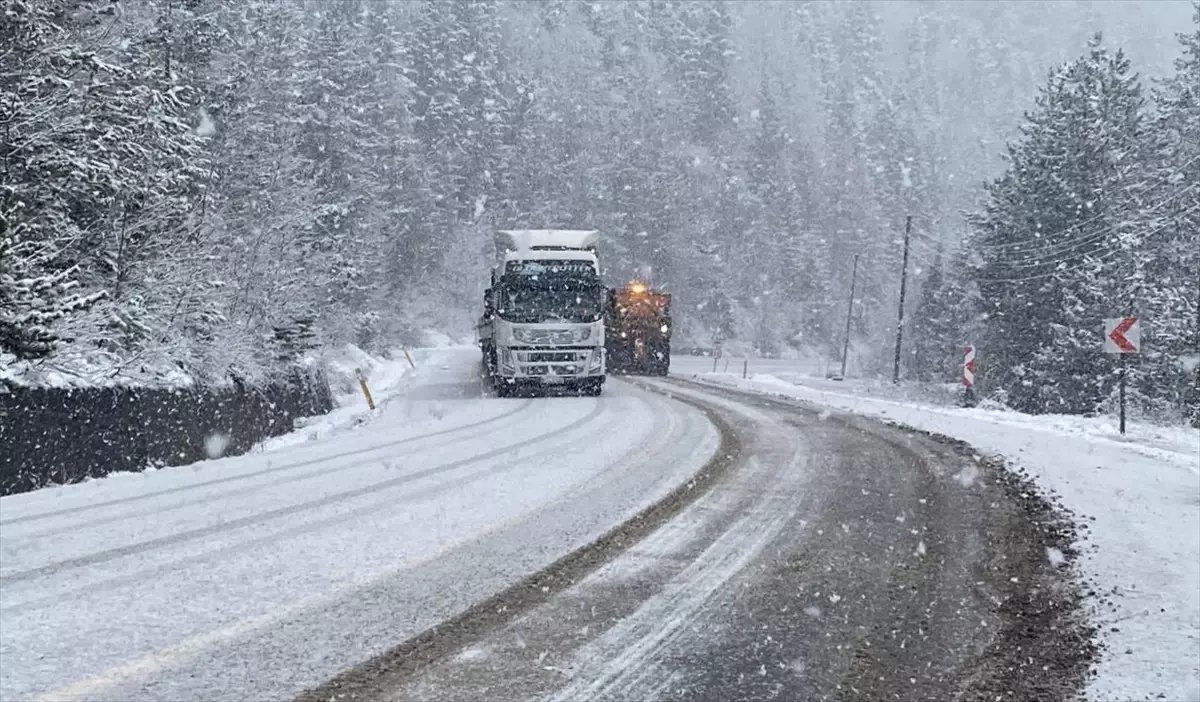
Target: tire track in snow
{"x":625,"y":663}
{"x":264,"y":471}
{"x":320,"y":471}
{"x":562,"y":438}
{"x":368,"y":678}
{"x":153,"y":673}
{"x":173,"y":539}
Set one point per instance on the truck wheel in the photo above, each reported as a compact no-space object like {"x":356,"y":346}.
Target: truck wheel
{"x":593,"y":388}
{"x":503,"y":389}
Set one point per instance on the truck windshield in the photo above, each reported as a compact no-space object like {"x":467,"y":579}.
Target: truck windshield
{"x":551,"y":301}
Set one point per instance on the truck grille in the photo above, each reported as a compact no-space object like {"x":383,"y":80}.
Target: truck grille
{"x":551,"y":356}
{"x":550,"y":337}
{"x":552,"y":362}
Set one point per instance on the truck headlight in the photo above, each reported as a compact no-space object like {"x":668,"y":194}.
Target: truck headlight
{"x":596,"y":360}
{"x":506,"y":360}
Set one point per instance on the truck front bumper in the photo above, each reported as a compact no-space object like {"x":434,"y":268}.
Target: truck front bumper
{"x":551,"y":365}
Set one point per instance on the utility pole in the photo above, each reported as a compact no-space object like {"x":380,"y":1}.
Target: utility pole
{"x":903,"y":281}
{"x":849,"y":311}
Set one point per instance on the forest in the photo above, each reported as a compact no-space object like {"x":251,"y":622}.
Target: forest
{"x":194,"y":190}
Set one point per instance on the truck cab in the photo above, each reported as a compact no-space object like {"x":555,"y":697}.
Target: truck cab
{"x":543,"y":321}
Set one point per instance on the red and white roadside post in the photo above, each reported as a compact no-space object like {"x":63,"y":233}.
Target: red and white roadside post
{"x":968,"y":376}
{"x":1122,"y":335}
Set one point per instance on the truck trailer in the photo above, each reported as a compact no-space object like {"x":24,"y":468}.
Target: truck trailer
{"x":543,"y":319}
{"x":638,"y":330}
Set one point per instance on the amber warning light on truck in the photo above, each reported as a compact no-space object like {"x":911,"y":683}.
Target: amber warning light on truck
{"x":638,"y":330}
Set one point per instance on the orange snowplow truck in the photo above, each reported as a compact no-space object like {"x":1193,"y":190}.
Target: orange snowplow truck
{"x":637,"y":331}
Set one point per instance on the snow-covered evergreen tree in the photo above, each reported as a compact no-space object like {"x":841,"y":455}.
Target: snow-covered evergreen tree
{"x":53,"y":181}
{"x":942,"y":321}
{"x":34,"y":292}
{"x":247,"y":180}
{"x":1056,"y":241}
{"x":1171,"y":215}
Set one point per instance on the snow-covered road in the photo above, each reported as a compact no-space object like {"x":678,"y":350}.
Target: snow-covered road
{"x":1136,"y":498}
{"x":833,"y":558}
{"x":258,"y":576}
{"x":432,"y":549}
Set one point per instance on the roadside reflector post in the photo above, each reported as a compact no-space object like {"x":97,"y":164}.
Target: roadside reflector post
{"x":1123,"y":336}
{"x":745,"y":368}
{"x":362,"y":383}
{"x":410,"y":361}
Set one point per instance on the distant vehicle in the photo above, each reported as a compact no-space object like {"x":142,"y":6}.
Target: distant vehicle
{"x":638,"y":330}
{"x":543,"y":318}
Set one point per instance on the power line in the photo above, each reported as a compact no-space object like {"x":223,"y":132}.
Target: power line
{"x":1099,"y":259}
{"x":1065,"y":251}
{"x":1029,"y":248}
{"x":1162,"y":181}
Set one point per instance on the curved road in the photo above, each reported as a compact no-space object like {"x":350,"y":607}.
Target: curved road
{"x":467,"y":548}
{"x":835,"y":559}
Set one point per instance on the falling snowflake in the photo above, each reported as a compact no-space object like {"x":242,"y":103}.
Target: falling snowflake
{"x":215,"y":445}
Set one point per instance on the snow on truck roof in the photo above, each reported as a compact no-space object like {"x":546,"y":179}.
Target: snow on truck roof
{"x":546,"y":239}
{"x":550,"y":255}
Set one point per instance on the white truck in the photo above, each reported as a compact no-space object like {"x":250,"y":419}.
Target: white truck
{"x":543,"y":318}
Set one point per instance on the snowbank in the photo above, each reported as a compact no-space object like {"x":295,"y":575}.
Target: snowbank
{"x":386,"y":378}
{"x":1139,"y":501}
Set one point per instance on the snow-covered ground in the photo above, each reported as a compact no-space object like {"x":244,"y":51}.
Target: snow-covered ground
{"x":1138,"y":498}
{"x":387,"y":378}
{"x":253,"y":577}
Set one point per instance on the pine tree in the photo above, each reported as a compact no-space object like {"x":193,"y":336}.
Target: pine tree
{"x":694,"y":39}
{"x":461,"y":95}
{"x":1054,"y":237}
{"x":776,"y":255}
{"x":942,"y":322}
{"x":141,"y":119}
{"x":1172,"y":251}
{"x":259,"y":201}
{"x":845,"y":42}
{"x":33,"y":295}
{"x":53,"y":179}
